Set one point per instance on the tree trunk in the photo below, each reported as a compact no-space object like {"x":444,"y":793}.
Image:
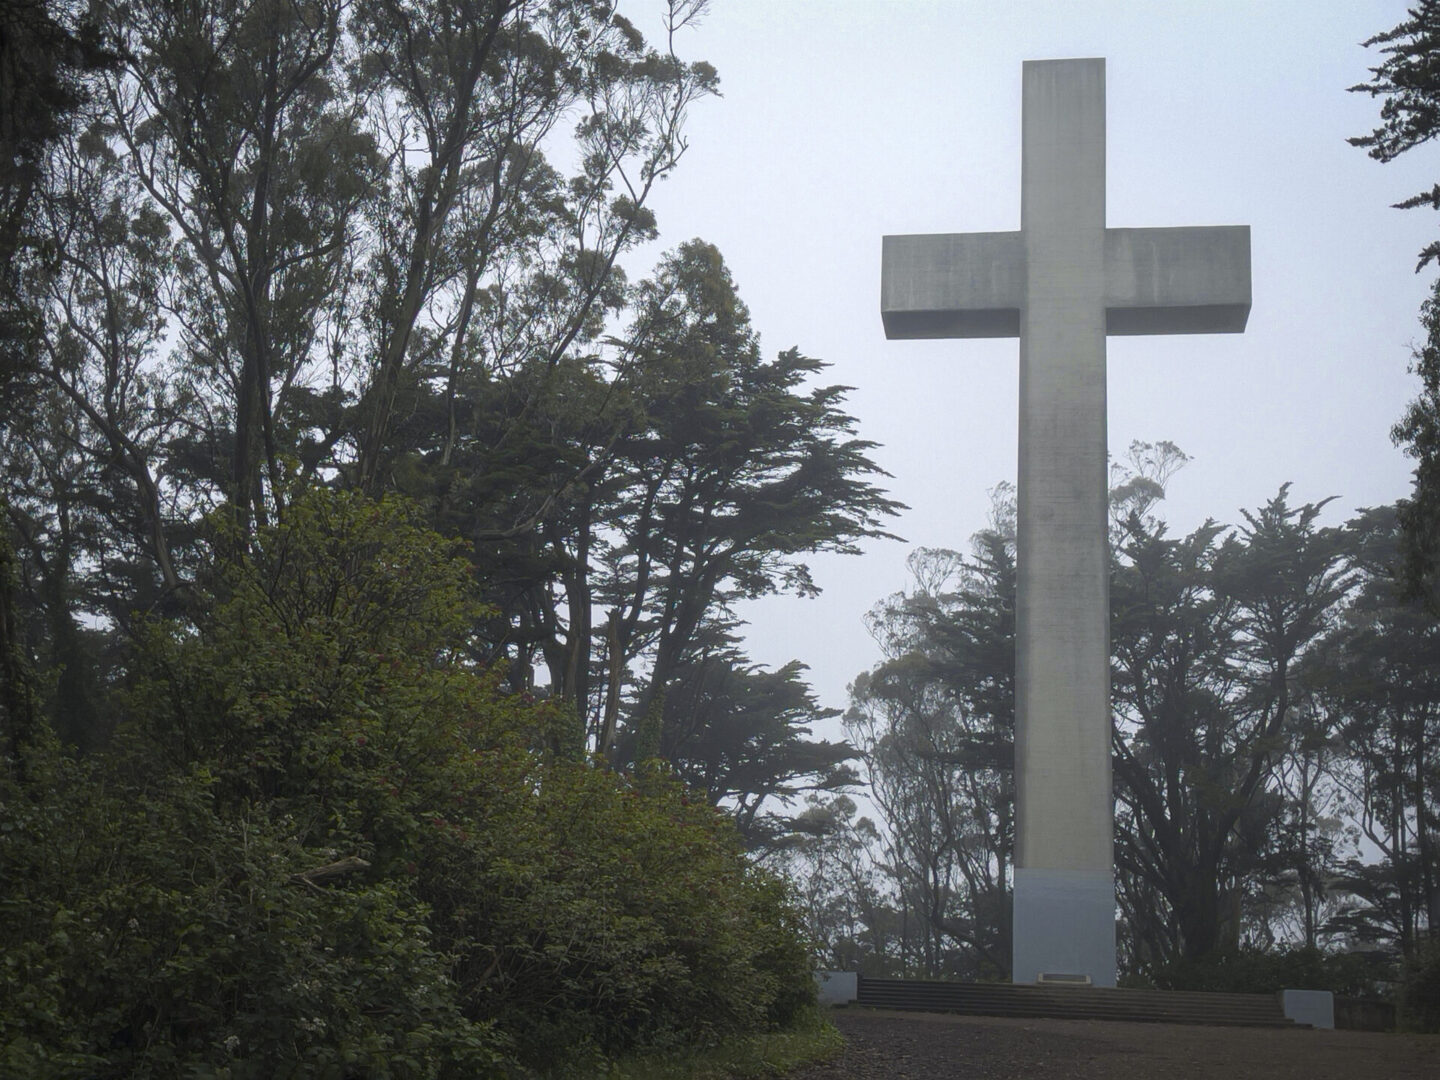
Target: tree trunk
{"x":19,"y":708}
{"x":615,"y":674}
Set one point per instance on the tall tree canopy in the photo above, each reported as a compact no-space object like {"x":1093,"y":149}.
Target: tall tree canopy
{"x":936,"y":723}
{"x":1210,"y":633}
{"x":1407,"y":82}
{"x":47,"y":51}
{"x":376,"y":246}
{"x":1274,"y":704}
{"x":351,"y":492}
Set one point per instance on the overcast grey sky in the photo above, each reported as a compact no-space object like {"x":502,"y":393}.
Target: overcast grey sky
{"x":844,"y":120}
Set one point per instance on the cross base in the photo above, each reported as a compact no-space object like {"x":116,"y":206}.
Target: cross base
{"x":1064,"y":922}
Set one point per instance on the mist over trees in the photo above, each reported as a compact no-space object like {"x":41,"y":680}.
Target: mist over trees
{"x":1276,"y":695}
{"x":375,"y":247}
{"x":372,"y":698}
{"x":1276,"y":703}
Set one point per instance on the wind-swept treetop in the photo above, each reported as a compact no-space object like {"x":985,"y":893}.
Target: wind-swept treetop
{"x":1408,"y":83}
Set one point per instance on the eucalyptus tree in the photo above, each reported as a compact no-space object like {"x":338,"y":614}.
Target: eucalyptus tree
{"x":49,"y":56}
{"x":279,"y":233}
{"x":935,"y":722}
{"x":375,"y":244}
{"x":484,"y":256}
{"x":238,"y":120}
{"x":382,"y":200}
{"x":103,"y":355}
{"x":49,"y":53}
{"x":844,"y":892}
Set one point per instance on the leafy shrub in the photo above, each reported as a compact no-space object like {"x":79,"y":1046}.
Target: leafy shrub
{"x":501,"y":907}
{"x":1419,"y":996}
{"x":1253,"y":971}
{"x":144,"y":932}
{"x":631,"y":919}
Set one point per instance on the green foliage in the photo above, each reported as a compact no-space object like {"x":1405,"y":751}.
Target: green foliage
{"x":612,"y":915}
{"x":1275,"y":701}
{"x":47,"y":52}
{"x":936,"y":724}
{"x":742,"y":735}
{"x":317,"y":241}
{"x":1210,"y":636}
{"x":1407,"y":82}
{"x":1379,"y":674}
{"x":1257,"y":971}
{"x":1418,"y":431}
{"x":1419,"y":991}
{"x":19,"y":704}
{"x":843,"y":889}
{"x":811,"y":1040}
{"x":664,"y":479}
{"x":1410,"y":95}
{"x":375,"y":244}
{"x":170,"y":937}
{"x":326,"y":844}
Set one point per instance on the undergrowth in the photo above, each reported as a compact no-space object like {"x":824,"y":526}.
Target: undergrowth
{"x":811,"y":1039}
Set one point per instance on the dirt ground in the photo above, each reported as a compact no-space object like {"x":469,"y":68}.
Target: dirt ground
{"x":881,"y":1045}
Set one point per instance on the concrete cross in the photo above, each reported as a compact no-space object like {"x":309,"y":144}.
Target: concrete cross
{"x":1061,"y":284}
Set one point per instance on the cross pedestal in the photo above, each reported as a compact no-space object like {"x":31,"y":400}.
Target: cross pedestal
{"x":1061,"y":284}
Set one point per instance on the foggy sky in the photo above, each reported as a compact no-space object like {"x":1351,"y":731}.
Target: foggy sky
{"x":845,"y":120}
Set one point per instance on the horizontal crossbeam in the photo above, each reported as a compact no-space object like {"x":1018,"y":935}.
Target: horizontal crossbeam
{"x":955,"y":285}
{"x":1189,"y":280}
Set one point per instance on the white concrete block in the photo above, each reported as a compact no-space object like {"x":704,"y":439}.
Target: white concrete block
{"x":1313,"y":1007}
{"x":837,"y":987}
{"x":1064,"y":926}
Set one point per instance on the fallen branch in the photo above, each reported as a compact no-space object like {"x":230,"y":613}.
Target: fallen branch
{"x":329,"y":871}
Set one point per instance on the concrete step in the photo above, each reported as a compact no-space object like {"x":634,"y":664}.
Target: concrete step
{"x":1075,"y":1002}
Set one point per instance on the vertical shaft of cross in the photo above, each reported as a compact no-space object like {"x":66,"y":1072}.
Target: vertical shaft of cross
{"x":1061,"y":284}
{"x":1065,"y":816}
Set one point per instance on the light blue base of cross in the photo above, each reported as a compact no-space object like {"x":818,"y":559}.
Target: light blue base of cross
{"x":1064,"y":926}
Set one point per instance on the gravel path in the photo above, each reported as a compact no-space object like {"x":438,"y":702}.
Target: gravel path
{"x":881,"y":1045}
